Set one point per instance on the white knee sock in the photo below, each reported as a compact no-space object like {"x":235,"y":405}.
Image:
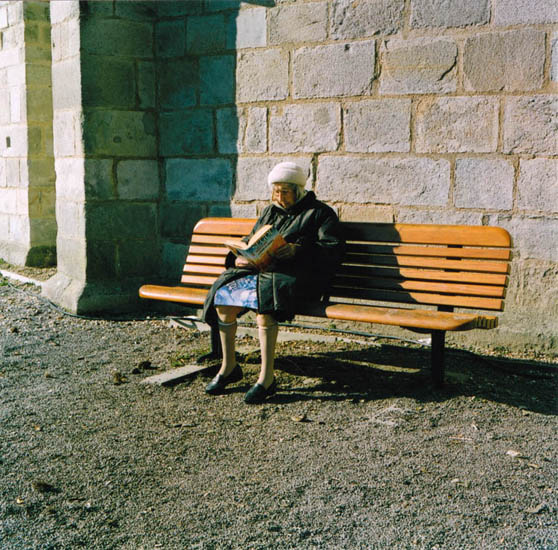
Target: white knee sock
{"x":268,"y":338}
{"x":227,"y":335}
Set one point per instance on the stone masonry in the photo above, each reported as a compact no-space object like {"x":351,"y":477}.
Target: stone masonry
{"x":27,"y":193}
{"x":427,"y":111}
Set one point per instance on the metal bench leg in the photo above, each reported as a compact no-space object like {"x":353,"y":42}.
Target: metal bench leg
{"x":216,"y":351}
{"x":437,"y":357}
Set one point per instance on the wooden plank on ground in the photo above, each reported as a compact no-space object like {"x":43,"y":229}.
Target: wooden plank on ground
{"x":174,"y":375}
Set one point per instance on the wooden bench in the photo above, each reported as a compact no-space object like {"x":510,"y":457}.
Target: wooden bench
{"x":408,"y":275}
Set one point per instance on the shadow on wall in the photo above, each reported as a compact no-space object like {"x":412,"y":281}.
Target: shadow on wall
{"x":199,"y":121}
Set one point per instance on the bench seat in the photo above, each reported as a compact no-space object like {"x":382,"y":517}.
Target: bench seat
{"x":392,"y":274}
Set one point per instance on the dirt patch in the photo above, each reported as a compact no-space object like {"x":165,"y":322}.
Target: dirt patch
{"x":357,"y":450}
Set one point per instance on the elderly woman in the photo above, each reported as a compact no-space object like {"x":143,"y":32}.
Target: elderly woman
{"x":300,"y":272}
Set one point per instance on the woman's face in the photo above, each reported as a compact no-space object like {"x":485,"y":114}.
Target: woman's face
{"x":284,"y":194}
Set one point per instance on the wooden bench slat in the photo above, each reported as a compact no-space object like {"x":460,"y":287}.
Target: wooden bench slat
{"x":202,"y":269}
{"x":416,"y":261}
{"x":417,"y":298}
{"x":463,"y":235}
{"x":185,"y":295}
{"x":209,"y":250}
{"x":426,"y":286}
{"x":197,"y":280}
{"x":210,"y":260}
{"x":410,"y":318}
{"x":437,"y":251}
{"x":210,"y":239}
{"x":423,"y":274}
{"x":225,"y":226}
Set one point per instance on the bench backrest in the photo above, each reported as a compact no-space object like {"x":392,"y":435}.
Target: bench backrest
{"x":438,"y":265}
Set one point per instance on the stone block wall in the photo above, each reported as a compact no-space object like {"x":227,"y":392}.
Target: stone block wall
{"x":27,"y":217}
{"x":402,"y":110}
{"x":105,"y":142}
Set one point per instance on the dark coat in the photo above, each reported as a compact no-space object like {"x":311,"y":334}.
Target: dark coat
{"x":287,"y":284}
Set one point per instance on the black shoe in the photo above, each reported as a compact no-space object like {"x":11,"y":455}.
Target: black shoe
{"x":258,"y":394}
{"x":220,"y":382}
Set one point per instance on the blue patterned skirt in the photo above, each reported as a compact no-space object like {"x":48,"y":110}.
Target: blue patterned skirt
{"x":240,"y":292}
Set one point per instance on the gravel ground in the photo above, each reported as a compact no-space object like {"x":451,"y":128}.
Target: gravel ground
{"x":356,"y":451}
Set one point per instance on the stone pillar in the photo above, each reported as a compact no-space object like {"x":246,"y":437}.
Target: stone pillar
{"x":27,"y":196}
{"x":105,"y":143}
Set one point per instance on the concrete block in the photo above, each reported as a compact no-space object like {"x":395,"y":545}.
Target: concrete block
{"x":378,"y":126}
{"x":70,"y":178}
{"x":98,"y":179}
{"x":531,"y":124}
{"x":121,"y":220}
{"x":137,"y":179}
{"x":525,"y":12}
{"x":14,"y":37}
{"x":457,"y":125}
{"x":178,"y":219}
{"x":217,"y":77}
{"x":108,"y":82}
{"x":102,"y":258}
{"x":170,"y":38}
{"x":16,"y":75}
{"x":484,"y":183}
{"x":66,"y":40}
{"x":3,"y":17}
{"x":433,"y":215}
{"x":71,"y":219}
{"x":538,"y":185}
{"x":173,"y":260}
{"x":15,"y":13}
{"x":449,"y":13}
{"x":13,"y":56}
{"x":298,"y":23}
{"x":176,"y":8}
{"x":146,"y":85}
{"x":233,"y":210}
{"x":178,"y":82}
{"x":116,"y":37}
{"x":72,"y":257}
{"x":247,"y":30}
{"x":66,"y":88}
{"x":39,"y":76}
{"x":554,"y":58}
{"x":334,"y":70}
{"x":36,"y":11}
{"x":13,"y":141}
{"x":66,"y":135}
{"x":139,"y":258}
{"x":366,"y":213}
{"x":3,"y":175}
{"x":205,"y":34}
{"x":242,"y":130}
{"x":366,"y":18}
{"x":17,"y":103}
{"x":41,"y":170}
{"x":262,"y":75}
{"x":13,"y":178}
{"x":406,"y":181}
{"x":120,"y":134}
{"x":419,"y":66}
{"x":186,"y":133}
{"x":97,"y":9}
{"x":308,"y":128}
{"x":5,"y":115}
{"x":251,"y":176}
{"x":62,"y":10}
{"x":198,"y":180}
{"x":506,"y":61}
{"x":9,"y":201}
{"x":41,"y":203}
{"x":138,"y":11}
{"x":534,"y":237}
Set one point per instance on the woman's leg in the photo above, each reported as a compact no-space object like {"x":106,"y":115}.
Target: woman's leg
{"x":267,"y":332}
{"x":227,"y":333}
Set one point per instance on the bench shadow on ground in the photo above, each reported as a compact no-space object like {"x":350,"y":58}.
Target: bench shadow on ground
{"x":385,"y":371}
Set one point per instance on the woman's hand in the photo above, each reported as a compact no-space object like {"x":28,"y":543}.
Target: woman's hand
{"x":240,"y":261}
{"x":286,"y":252}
